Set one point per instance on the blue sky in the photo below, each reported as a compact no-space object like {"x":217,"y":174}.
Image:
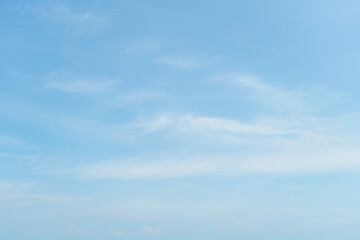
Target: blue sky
{"x":179,"y":120}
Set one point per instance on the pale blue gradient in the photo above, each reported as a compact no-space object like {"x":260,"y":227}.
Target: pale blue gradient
{"x":179,"y":120}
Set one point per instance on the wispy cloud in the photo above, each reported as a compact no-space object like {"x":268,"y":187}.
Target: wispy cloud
{"x":148,"y":169}
{"x":81,"y":86}
{"x":64,"y":82}
{"x":24,"y":192}
{"x":290,"y":144}
{"x":234,"y":163}
{"x":66,"y":14}
{"x":73,"y":20}
{"x":182,"y":62}
{"x":252,"y":81}
{"x":228,"y":125}
{"x":150,"y":231}
{"x":306,"y":146}
{"x":190,"y":122}
{"x":277,"y":97}
{"x":74,"y":229}
{"x":13,"y":186}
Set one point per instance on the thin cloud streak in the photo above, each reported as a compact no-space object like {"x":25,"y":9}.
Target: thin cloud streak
{"x":181,"y":62}
{"x":81,"y":86}
{"x":72,"y":20}
{"x":322,"y":161}
{"x":276,"y":97}
{"x":150,"y":231}
{"x":130,"y":169}
{"x":20,"y":192}
{"x":74,"y":229}
{"x":189,"y":122}
{"x":252,"y":81}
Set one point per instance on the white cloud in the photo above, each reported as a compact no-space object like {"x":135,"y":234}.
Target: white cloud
{"x":237,"y":213}
{"x":308,"y":145}
{"x":81,"y":86}
{"x":162,"y":120}
{"x":235,"y":163}
{"x":73,"y":229}
{"x":278,"y":98}
{"x":131,"y":99}
{"x":69,"y":82}
{"x":269,"y":145}
{"x":24,"y":192}
{"x":150,"y":231}
{"x":182,"y":62}
{"x":325,"y":160}
{"x":252,"y":81}
{"x":228,"y":125}
{"x":66,"y":14}
{"x":189,"y":122}
{"x":281,"y":146}
{"x":131,"y":169}
{"x":72,"y":19}
{"x":13,"y":186}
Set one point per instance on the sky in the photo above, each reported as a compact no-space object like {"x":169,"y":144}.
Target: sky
{"x":231,"y":119}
